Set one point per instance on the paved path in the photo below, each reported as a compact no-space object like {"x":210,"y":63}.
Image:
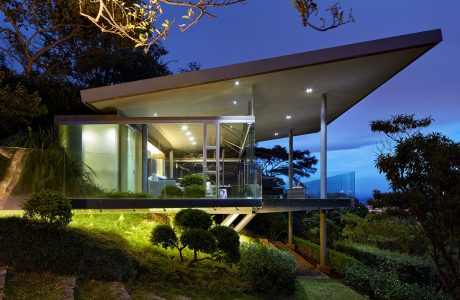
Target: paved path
{"x":304,"y":268}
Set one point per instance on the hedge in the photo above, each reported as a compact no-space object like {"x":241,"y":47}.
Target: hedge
{"x":410,"y":269}
{"x":267,"y":270}
{"x":387,"y":285}
{"x":339,"y":262}
{"x":28,"y":245}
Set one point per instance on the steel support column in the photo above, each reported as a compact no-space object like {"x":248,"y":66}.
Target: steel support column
{"x":290,"y":185}
{"x":144,"y":159}
{"x":323,"y":186}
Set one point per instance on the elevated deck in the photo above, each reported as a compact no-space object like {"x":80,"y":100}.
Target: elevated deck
{"x":211,"y":205}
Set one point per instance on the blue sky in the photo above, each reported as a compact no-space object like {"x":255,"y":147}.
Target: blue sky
{"x":268,"y":28}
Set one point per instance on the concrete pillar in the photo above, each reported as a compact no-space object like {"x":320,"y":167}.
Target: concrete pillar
{"x":240,"y":226}
{"x":290,"y":178}
{"x":323,"y":187}
{"x":144,"y":159}
{"x":229,"y":220}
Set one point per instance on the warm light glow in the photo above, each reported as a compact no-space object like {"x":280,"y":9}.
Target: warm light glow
{"x":191,"y":139}
{"x":309,"y":90}
{"x":276,"y":134}
{"x":193,"y":143}
{"x":237,"y":83}
{"x":188,"y":133}
{"x":155,"y":114}
{"x":235,"y":102}
{"x":288,"y":117}
{"x":152,"y":149}
{"x":184,"y":127}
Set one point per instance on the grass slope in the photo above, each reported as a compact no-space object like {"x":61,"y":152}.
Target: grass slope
{"x":319,"y":289}
{"x":37,"y":286}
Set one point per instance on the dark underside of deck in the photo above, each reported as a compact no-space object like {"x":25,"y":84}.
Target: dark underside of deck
{"x":212,"y":205}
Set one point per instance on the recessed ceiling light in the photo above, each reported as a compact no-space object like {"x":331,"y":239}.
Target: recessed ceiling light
{"x":309,"y":90}
{"x":235,"y":102}
{"x":276,"y":134}
{"x":288,"y":117}
{"x":191,"y":139}
{"x":193,"y":143}
{"x":184,"y":127}
{"x":188,"y":133}
{"x":155,"y":114}
{"x":237,"y":82}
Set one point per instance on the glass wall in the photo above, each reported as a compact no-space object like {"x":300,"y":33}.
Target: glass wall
{"x":339,"y":186}
{"x":192,"y":159}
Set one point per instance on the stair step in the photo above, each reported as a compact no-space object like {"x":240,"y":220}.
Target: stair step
{"x":69,"y":288}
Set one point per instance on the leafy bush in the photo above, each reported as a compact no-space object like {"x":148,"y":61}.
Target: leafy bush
{"x":228,"y":243}
{"x":114,"y":194}
{"x":387,"y":285}
{"x":49,"y":207}
{"x":339,"y":262}
{"x":192,"y":219}
{"x":193,"y":179}
{"x":171,"y":191}
{"x":409,"y":269}
{"x":30,"y":246}
{"x":199,"y":240}
{"x":194,"y":191}
{"x":163,"y":235}
{"x":267,"y":270}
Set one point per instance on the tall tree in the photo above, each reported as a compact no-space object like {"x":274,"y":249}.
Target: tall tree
{"x":274,"y":162}
{"x":424,"y":174}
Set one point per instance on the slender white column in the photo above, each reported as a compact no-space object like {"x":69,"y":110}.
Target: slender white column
{"x":323,"y":183}
{"x":291,"y":174}
{"x":171,"y":164}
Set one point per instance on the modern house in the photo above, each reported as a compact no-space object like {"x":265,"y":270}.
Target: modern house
{"x":150,"y":133}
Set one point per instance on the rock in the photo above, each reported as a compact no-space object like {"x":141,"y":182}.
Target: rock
{"x":69,"y":288}
{"x":120,"y":292}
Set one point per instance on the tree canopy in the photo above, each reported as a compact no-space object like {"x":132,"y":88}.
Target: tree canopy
{"x":424,"y":173}
{"x":275,"y":162}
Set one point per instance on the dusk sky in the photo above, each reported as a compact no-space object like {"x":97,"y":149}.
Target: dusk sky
{"x":268,"y":28}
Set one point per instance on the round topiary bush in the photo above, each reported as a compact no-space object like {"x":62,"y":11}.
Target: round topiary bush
{"x":228,"y":242}
{"x":163,"y":235}
{"x":267,"y":270}
{"x":193,"y":179}
{"x":48,"y":207}
{"x":199,"y":240}
{"x":195,"y":191}
{"x":171,"y":191}
{"x":192,"y":219}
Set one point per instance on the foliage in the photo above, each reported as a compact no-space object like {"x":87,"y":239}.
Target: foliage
{"x":171,"y":191}
{"x":320,"y":289}
{"x":49,"y":207}
{"x":187,"y":219}
{"x":267,"y":270}
{"x":164,"y":236}
{"x":30,"y":246}
{"x":385,"y":231}
{"x":33,"y":286}
{"x":339,"y":262}
{"x":192,"y":179}
{"x":47,"y":165}
{"x":309,"y":9}
{"x":275,"y":162}
{"x":386,"y":285}
{"x":18,"y":107}
{"x":273,"y":226}
{"x":228,"y":244}
{"x":411,"y":269}
{"x":199,"y":240}
{"x":424,"y":174}
{"x":117,"y":194}
{"x":194,"y":191}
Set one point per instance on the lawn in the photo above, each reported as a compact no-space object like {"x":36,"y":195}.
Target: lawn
{"x":37,"y":286}
{"x":318,"y":289}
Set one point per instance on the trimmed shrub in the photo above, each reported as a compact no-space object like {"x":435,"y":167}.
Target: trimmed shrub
{"x":171,"y":191}
{"x":193,"y":179}
{"x":194,"y":191}
{"x":163,"y":235}
{"x":123,"y":195}
{"x":48,"y":207}
{"x":387,"y":285}
{"x":31,"y":246}
{"x":228,"y":243}
{"x":192,"y":219}
{"x":339,"y":262}
{"x":199,"y":240}
{"x":267,"y":270}
{"x":409,"y":269}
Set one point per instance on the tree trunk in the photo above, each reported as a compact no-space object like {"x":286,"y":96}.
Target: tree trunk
{"x":12,"y":175}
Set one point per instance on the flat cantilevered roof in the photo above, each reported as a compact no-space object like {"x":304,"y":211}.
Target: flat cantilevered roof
{"x":277,"y":86}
